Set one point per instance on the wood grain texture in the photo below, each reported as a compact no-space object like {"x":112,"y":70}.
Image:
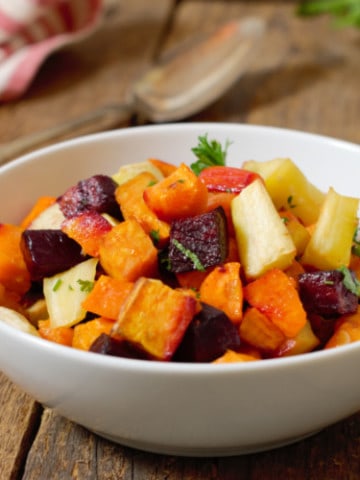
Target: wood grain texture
{"x":305,"y":76}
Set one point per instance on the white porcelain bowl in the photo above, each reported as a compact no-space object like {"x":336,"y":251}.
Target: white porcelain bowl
{"x":184,"y":409}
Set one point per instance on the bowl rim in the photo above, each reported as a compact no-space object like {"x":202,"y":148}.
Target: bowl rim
{"x":112,"y":362}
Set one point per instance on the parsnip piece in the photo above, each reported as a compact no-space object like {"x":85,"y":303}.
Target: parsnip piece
{"x":289,"y":188}
{"x":65,"y":292}
{"x":263,"y":240}
{"x":51,"y":218}
{"x":17,"y":320}
{"x":332,"y":238}
{"x":127,"y":172}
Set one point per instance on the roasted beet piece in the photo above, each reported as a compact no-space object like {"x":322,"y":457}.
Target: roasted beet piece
{"x":47,"y":252}
{"x":96,"y":193}
{"x":107,"y":345}
{"x":203,"y":236}
{"x":207,"y":337}
{"x":324,"y":293}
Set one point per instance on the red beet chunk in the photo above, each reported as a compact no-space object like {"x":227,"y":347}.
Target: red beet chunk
{"x":96,"y":193}
{"x":203,"y":236}
{"x":107,"y":345}
{"x":47,"y":252}
{"x":207,"y":337}
{"x":324,"y":293}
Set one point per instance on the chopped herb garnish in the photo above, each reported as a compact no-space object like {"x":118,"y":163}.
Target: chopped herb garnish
{"x":209,"y":154}
{"x":190,"y":255}
{"x":85,"y":285}
{"x":155,"y":236}
{"x":57,"y":285}
{"x":152,"y":183}
{"x":285,"y":220}
{"x":356,"y":247}
{"x":346,"y":12}
{"x":290,"y":201}
{"x":350,"y":281}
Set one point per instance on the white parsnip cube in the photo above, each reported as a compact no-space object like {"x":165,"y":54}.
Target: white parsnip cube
{"x":332,"y":238}
{"x":289,"y":188}
{"x":262,"y":238}
{"x":65,"y":292}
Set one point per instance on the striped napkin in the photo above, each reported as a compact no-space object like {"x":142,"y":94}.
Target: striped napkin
{"x":30,"y":30}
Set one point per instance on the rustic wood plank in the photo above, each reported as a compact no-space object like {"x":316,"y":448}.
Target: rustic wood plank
{"x":305,"y":75}
{"x":19,"y":419}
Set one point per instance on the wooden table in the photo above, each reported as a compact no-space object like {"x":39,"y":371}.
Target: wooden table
{"x":306,"y":76}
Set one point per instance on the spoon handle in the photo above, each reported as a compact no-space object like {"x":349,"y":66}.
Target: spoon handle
{"x":109,"y":116}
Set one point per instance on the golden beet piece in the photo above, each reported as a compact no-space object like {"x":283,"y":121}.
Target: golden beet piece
{"x":128,"y":253}
{"x":182,"y":194}
{"x":41,"y":204}
{"x":61,"y":335}
{"x":222,"y":288}
{"x":129,"y":195}
{"x":155,"y":317}
{"x":347,"y":330}
{"x":274,"y":294}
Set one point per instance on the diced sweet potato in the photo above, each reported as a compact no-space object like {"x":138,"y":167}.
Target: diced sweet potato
{"x":275,"y":295}
{"x":41,"y":204}
{"x":128,"y":253}
{"x":192,"y":279}
{"x":155,"y":317}
{"x":88,"y":230}
{"x":180,"y":195}
{"x":222,"y":288}
{"x":107,"y":296}
{"x":232,"y":357}
{"x":129,"y":195}
{"x":14,"y":274}
{"x":347,"y":330}
{"x":257,"y":330}
{"x":222,"y":199}
{"x":331,"y":242}
{"x":86,"y":333}
{"x":61,"y":335}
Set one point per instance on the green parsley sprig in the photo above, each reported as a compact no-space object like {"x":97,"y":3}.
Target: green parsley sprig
{"x":346,"y":12}
{"x":209,"y":154}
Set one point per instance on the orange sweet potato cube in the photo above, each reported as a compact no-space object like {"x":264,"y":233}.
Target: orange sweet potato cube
{"x":61,"y":335}
{"x":14,"y":275}
{"x":347,"y":330}
{"x":87,"y":229}
{"x":233,"y":357}
{"x":107,"y":296}
{"x":304,"y":342}
{"x":155,"y":317}
{"x":126,"y":252}
{"x":260,"y":332}
{"x":222,"y":288}
{"x":129,"y":195}
{"x":86,"y":333}
{"x":274,"y":294}
{"x":182,"y":194}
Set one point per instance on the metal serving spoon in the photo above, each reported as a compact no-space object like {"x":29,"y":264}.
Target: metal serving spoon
{"x":179,"y":87}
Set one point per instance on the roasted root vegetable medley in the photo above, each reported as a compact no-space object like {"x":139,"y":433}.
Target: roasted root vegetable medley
{"x":199,"y":263}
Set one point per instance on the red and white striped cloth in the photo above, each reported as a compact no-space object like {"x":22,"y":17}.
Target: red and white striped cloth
{"x":32,"y":29}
